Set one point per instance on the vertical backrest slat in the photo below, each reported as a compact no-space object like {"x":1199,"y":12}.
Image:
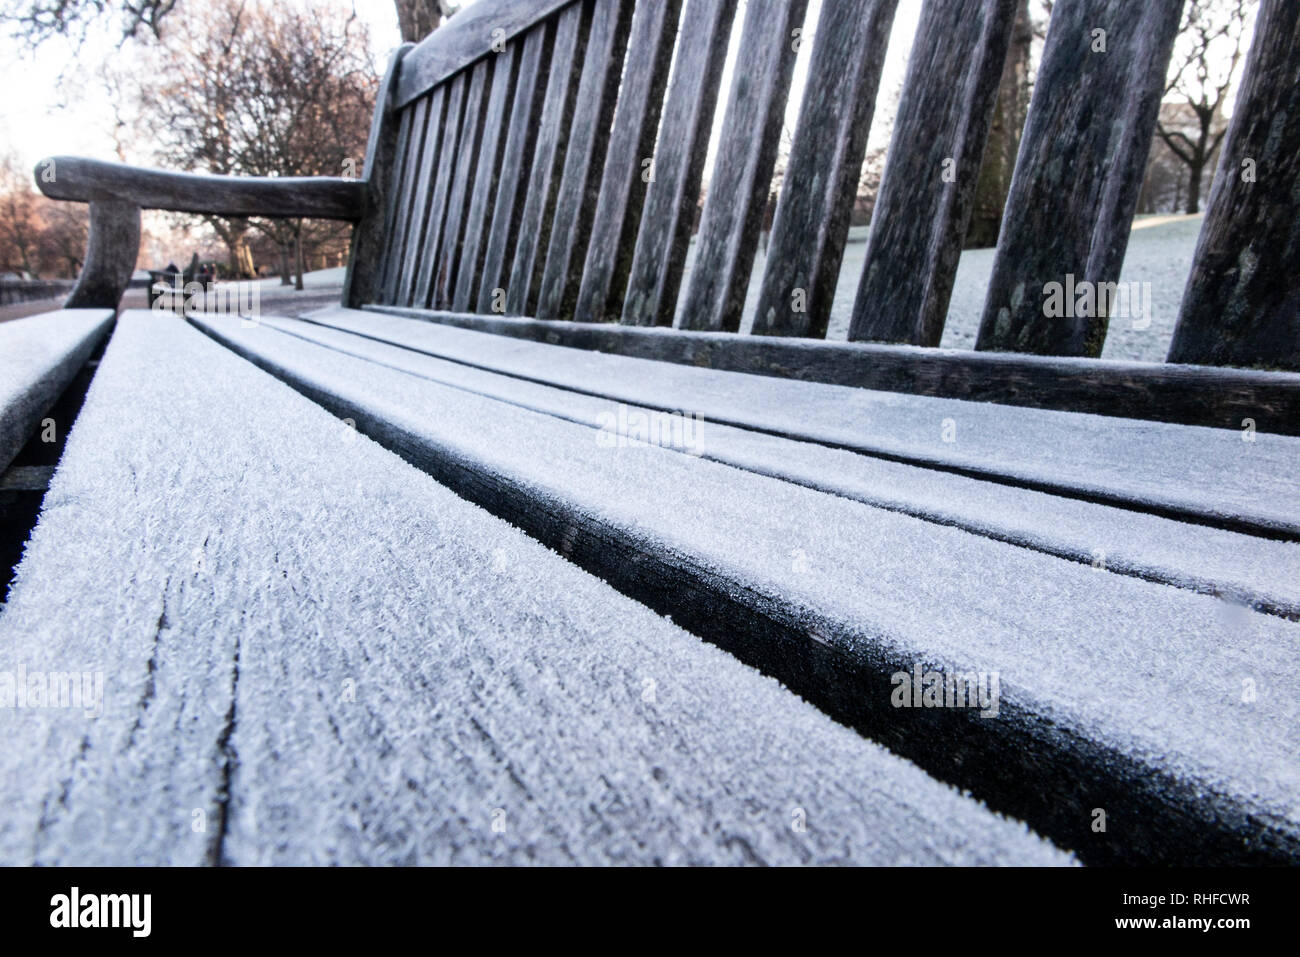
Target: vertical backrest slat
{"x":1079,"y":171}
{"x":548,"y":157}
{"x":1242,"y":305}
{"x":811,"y":224}
{"x":384,"y":147}
{"x":924,"y":203}
{"x":397,"y":196}
{"x":584,"y":158}
{"x":631,"y":146}
{"x":447,"y":256}
{"x":516,"y":165}
{"x":487,"y":173}
{"x":419,"y":214}
{"x":742,"y":174}
{"x":411,"y":173}
{"x":663,"y":237}
{"x":449,"y":150}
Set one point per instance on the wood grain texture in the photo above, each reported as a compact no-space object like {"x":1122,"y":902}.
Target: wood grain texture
{"x":363,"y":282}
{"x":436,"y":218}
{"x":567,"y":55}
{"x":811,"y":224}
{"x":448,"y":255}
{"x":405,"y":194}
{"x":584,"y":159}
{"x":669,"y":213}
{"x":39,"y":357}
{"x":922,"y":209}
{"x":1190,"y":395}
{"x":1242,"y":306}
{"x":742,"y":171}
{"x":286,"y":197}
{"x":111,"y":253}
{"x":487,"y":175}
{"x":516,"y":166}
{"x":1079,"y":171}
{"x":440,"y":131}
{"x":632,"y":144}
{"x":477,"y":30}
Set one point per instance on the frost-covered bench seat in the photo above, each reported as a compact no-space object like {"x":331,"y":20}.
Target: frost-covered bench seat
{"x":312,"y":653}
{"x":39,"y":356}
{"x":1172,"y":711}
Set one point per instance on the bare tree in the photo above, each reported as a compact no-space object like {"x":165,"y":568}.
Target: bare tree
{"x":38,"y":20}
{"x":1201,"y":73}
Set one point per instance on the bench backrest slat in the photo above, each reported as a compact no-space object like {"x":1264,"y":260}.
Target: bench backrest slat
{"x":521,"y":139}
{"x":562,"y":83}
{"x":811,"y":225}
{"x":663,"y":238}
{"x":447,"y":258}
{"x":1080,"y":169}
{"x":435,"y":217}
{"x":742,"y":172}
{"x":632,"y":145}
{"x":405,"y":192}
{"x":584,"y":159}
{"x":1242,"y":305}
{"x":486,"y":173}
{"x":924,"y":204}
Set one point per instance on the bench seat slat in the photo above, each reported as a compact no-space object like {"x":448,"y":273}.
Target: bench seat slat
{"x":1096,"y":670}
{"x":1196,"y":473}
{"x":316,"y":655}
{"x":39,"y":356}
{"x":1256,"y":572}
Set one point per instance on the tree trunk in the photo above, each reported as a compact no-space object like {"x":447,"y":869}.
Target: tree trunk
{"x":1194,"y":186}
{"x":418,"y":18}
{"x":286,"y":274}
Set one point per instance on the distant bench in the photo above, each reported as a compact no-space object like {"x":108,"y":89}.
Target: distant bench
{"x":1115,"y":542}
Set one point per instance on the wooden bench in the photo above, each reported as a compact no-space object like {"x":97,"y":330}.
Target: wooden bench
{"x":1115,"y":543}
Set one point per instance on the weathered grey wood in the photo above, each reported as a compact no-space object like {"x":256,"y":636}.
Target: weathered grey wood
{"x":1079,"y":170}
{"x":415,"y":121}
{"x":448,"y":255}
{"x":436,"y":216}
{"x":669,"y":212}
{"x":398,"y":189}
{"x":1191,"y":395}
{"x":478,"y":30}
{"x":289,"y":197}
{"x":363,"y":282}
{"x":521,"y":141}
{"x":111,"y":252}
{"x":632,"y":144}
{"x":924,"y":203}
{"x":434,"y":158}
{"x":821,"y":179}
{"x":566,"y":60}
{"x":584,"y":159}
{"x":39,"y":358}
{"x":742,"y":172}
{"x":486,"y":173}
{"x":1079,"y":722}
{"x":1242,"y":305}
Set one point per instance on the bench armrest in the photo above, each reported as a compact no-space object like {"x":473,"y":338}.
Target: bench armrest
{"x":87,"y":181}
